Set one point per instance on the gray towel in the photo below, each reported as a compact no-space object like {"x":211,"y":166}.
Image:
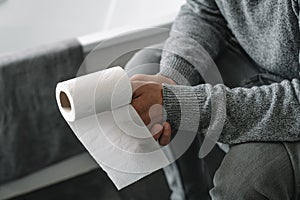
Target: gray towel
{"x":33,"y":134}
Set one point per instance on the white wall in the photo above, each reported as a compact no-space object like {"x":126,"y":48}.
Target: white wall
{"x":28,"y":23}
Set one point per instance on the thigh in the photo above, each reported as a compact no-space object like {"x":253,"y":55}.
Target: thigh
{"x":234,"y":64}
{"x":145,"y":61}
{"x":255,"y":171}
{"x":293,"y":149}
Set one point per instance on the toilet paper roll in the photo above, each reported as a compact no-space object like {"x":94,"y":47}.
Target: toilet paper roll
{"x":97,"y":108}
{"x":86,"y":95}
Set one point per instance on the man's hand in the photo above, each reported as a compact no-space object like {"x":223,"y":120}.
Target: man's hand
{"x":147,"y":101}
{"x":147,"y":96}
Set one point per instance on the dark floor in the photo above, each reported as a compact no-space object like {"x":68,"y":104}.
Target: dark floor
{"x":96,"y":185}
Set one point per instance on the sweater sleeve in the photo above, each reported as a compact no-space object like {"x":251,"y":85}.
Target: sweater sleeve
{"x":201,"y":22}
{"x":269,"y":113}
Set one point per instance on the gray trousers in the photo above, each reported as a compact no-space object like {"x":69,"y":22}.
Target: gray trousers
{"x":248,"y":171}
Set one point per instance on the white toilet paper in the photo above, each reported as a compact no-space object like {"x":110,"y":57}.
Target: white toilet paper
{"x":97,"y":108}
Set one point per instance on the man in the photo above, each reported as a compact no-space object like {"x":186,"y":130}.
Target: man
{"x":189,"y":177}
{"x":262,"y":122}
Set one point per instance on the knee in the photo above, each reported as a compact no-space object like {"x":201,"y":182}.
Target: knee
{"x":145,"y":61}
{"x":254,"y":172}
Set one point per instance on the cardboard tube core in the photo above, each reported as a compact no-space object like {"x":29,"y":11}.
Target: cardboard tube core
{"x":64,"y":101}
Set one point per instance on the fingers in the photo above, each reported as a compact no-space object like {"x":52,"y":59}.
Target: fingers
{"x":147,"y":101}
{"x":156,"y":131}
{"x":162,"y":133}
{"x":165,"y":138}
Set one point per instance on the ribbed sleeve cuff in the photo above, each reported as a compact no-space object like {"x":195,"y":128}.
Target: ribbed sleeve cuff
{"x":179,"y":70}
{"x":187,"y":108}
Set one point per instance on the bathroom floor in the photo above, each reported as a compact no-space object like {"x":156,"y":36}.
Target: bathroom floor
{"x":95,"y":185}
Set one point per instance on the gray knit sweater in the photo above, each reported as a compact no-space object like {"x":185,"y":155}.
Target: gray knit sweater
{"x":268,"y":31}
